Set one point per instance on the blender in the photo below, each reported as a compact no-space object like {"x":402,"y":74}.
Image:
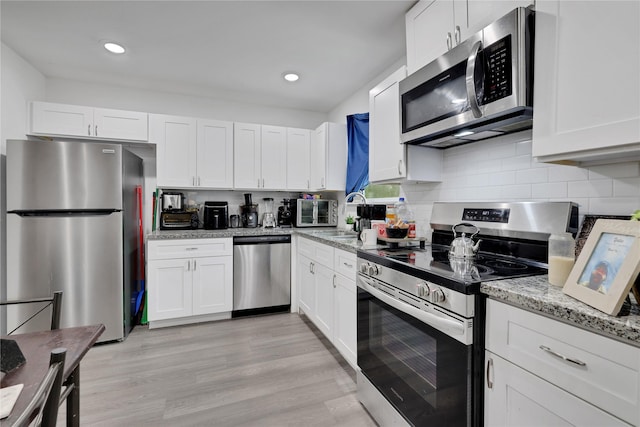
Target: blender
{"x":268,"y":218}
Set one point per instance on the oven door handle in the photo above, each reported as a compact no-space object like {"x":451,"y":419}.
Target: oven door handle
{"x":441,"y":323}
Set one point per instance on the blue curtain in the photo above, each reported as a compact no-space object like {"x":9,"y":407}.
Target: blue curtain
{"x":358,"y":152}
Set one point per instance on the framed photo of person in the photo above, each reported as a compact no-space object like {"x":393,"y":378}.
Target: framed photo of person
{"x":607,"y":265}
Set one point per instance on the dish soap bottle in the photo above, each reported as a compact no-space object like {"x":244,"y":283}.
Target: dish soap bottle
{"x":562,"y":256}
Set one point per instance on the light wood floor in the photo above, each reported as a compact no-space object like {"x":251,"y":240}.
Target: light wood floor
{"x":274,"y":370}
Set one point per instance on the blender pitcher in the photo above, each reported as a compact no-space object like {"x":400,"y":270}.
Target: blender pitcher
{"x":268,"y":218}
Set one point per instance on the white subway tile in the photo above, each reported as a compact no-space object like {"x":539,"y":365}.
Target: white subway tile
{"x":549,"y":190}
{"x":613,"y":205}
{"x":502,"y":178}
{"x":519,"y":192}
{"x":601,"y":188}
{"x":530,"y":176}
{"x":567,"y":173}
{"x":578,"y":189}
{"x":516,"y":163}
{"x":617,"y":170}
{"x":523,"y":148}
{"x":626,"y":187}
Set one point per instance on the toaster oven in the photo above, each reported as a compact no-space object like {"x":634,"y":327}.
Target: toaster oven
{"x":179,"y":220}
{"x":315,"y":213}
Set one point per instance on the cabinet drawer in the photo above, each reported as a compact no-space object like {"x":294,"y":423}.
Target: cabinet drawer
{"x":188,"y":248}
{"x":345,"y":263}
{"x":318,"y":252}
{"x":605,"y":372}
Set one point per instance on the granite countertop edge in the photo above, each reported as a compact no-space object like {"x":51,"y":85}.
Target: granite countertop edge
{"x":530,"y":293}
{"x":536,"y":294}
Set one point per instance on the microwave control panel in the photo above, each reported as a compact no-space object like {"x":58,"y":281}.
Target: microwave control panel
{"x":497,"y":66}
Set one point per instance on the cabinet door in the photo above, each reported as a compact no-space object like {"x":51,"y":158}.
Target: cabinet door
{"x":215,"y":154}
{"x":306,"y":286}
{"x":429,"y":32}
{"x":247,"y":156}
{"x":577,"y":116}
{"x":386,"y":152}
{"x":298,"y":158}
{"x":481,"y":13}
{"x":318,"y":165}
{"x":60,"y":119}
{"x":274,"y":157}
{"x":175,"y":139}
{"x":514,"y":397}
{"x":325,"y":282}
{"x":169,"y":288}
{"x":119,"y":124}
{"x":344,"y":335}
{"x":212,"y":284}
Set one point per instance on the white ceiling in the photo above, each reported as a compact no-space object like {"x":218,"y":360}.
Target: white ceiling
{"x":235,"y":50}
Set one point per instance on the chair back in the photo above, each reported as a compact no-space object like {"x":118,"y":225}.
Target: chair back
{"x":42,"y":410}
{"x":56,"y":308}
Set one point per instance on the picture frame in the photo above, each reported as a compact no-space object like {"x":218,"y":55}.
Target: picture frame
{"x":607,"y":266}
{"x":587,"y":225}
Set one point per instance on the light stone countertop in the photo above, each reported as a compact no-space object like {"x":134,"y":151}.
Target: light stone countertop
{"x":537,"y":295}
{"x":530,"y":293}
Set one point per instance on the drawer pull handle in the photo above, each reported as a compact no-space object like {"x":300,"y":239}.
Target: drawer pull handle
{"x":568,"y":359}
{"x":348,"y":265}
{"x":192,"y":249}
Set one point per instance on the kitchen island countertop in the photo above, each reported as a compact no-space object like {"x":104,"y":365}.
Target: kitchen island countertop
{"x":537,"y":295}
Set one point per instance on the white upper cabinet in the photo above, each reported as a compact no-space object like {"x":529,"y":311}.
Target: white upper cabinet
{"x":215,"y":154}
{"x":435,"y":26}
{"x":329,"y":157}
{"x":247,"y":172}
{"x":298,"y":158}
{"x":389,"y":159}
{"x":274,"y":157}
{"x":260,"y":157}
{"x":77,"y":121}
{"x":587,"y":89}
{"x":192,"y":153}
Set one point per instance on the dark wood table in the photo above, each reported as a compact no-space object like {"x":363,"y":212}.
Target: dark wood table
{"x":36,"y":347}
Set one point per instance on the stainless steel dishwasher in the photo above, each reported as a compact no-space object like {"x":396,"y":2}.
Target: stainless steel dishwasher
{"x":261,"y":274}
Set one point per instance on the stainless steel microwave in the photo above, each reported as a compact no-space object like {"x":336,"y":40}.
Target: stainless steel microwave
{"x":480,"y":89}
{"x":315,"y":213}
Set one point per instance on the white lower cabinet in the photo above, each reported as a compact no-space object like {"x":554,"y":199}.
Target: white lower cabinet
{"x":189,"y":280}
{"x":327,"y":293}
{"x":542,"y":372}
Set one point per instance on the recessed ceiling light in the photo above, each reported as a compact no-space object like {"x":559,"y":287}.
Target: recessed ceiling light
{"x":114,"y":47}
{"x":291,"y":77}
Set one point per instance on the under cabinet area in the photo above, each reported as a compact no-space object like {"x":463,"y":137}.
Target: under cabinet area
{"x":189,"y":281}
{"x":192,"y":153}
{"x":326,"y":279}
{"x":76,"y":121}
{"x":540,"y":371}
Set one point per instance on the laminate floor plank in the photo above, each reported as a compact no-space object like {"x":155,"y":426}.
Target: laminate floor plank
{"x":274,"y":370}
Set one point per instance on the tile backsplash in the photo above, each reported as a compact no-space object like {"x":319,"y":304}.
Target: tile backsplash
{"x":497,"y":170}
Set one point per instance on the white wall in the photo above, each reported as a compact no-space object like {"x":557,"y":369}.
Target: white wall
{"x":19,"y":82}
{"x":126,"y":98}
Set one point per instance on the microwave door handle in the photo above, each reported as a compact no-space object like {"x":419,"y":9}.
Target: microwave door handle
{"x":470,"y":81}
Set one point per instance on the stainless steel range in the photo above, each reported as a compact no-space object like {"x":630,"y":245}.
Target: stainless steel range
{"x":420,"y":316}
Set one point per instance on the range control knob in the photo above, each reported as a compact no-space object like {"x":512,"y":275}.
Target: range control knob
{"x":437,"y":295}
{"x":364,"y":268}
{"x":422,"y":289}
{"x":374,"y":270}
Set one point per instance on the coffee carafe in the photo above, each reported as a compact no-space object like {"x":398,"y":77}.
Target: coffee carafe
{"x":284,"y":214}
{"x":249,"y":212}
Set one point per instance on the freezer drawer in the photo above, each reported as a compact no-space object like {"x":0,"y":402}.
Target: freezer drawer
{"x":261,"y":272}
{"x":81,"y":255}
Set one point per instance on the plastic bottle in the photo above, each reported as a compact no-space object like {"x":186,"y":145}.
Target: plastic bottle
{"x":562,"y":255}
{"x":391,"y":215}
{"x":405,"y":214}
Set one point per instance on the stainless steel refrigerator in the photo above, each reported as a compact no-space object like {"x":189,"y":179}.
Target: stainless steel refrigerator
{"x":72,"y":225}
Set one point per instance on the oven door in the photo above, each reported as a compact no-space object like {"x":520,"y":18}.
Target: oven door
{"x":423,"y":372}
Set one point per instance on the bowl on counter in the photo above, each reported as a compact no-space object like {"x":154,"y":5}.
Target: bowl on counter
{"x":397,"y":233}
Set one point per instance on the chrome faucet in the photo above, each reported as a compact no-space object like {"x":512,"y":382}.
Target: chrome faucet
{"x":355,"y":193}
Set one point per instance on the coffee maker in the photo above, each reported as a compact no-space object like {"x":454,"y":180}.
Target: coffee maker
{"x":284,"y":214}
{"x":268,"y":218}
{"x":367,"y":213}
{"x":216,"y":215}
{"x":249,"y":212}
